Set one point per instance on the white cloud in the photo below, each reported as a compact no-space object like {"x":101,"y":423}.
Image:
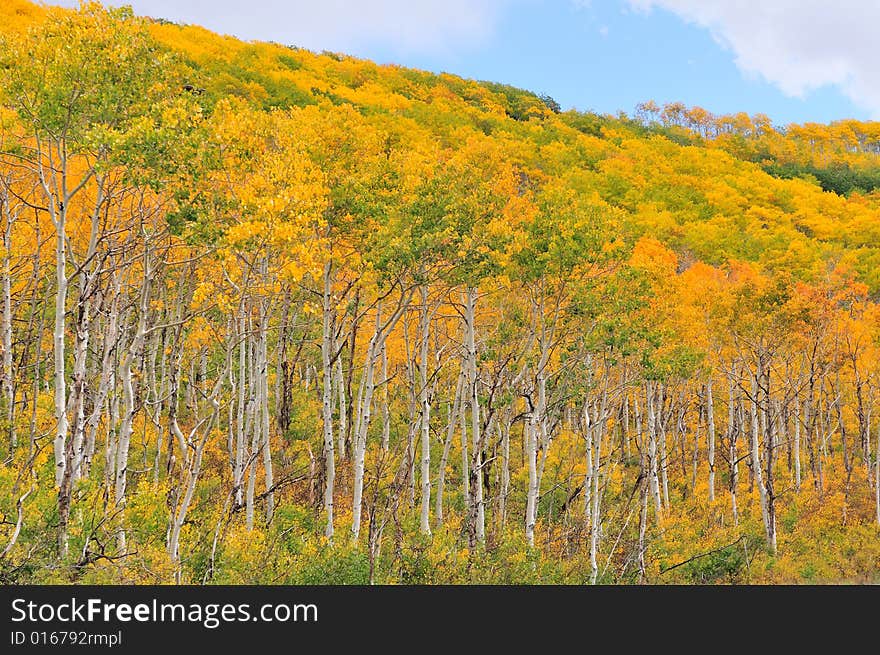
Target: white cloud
{"x":798,"y":45}
{"x":341,"y":25}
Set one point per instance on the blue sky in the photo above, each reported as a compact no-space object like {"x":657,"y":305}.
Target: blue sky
{"x":607,"y":57}
{"x":795,"y":60}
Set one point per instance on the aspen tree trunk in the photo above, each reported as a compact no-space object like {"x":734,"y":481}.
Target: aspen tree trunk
{"x":465,"y":461}
{"x":782,"y":432}
{"x":128,"y":394}
{"x":537,"y":417}
{"x":732,"y":435}
{"x":413,"y":416}
{"x":756,"y":455}
{"x":386,"y":410}
{"x":818,"y":442}
{"x":231,"y":427}
{"x":643,"y":509}
{"x":588,"y":469}
{"x":159,"y":400}
{"x":59,"y":219}
{"x":864,"y":428}
{"x":841,"y":428}
{"x":78,"y":391}
{"x":877,"y":475}
{"x":769,"y":449}
{"x":825,"y":419}
{"x":652,"y":451}
{"x":425,"y":403}
{"x":327,"y":399}
{"x":193,"y":466}
{"x":809,"y":427}
{"x":595,"y":522}
{"x":710,"y":420}
{"x":263,"y":380}
{"x":543,"y":437}
{"x":108,"y":353}
{"x":38,"y":355}
{"x":680,"y":413}
{"x":58,"y":215}
{"x":454,"y":410}
{"x":352,"y":344}
{"x":280,"y":360}
{"x":8,"y":389}
{"x":640,"y":434}
{"x":343,"y":408}
{"x":531,"y":429}
{"x":362,"y":425}
{"x":479,"y":527}
{"x":253,"y":427}
{"x":241,"y":391}
{"x":505,"y":473}
{"x":597,"y":433}
{"x":797,"y":442}
{"x":112,"y":432}
{"x":664,"y":455}
{"x":83,"y":313}
{"x":870,"y":471}
{"x":695,"y":455}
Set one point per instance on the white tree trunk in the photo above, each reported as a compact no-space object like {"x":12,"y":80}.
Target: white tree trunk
{"x":877,"y":475}
{"x":504,"y":492}
{"x":343,"y":408}
{"x":77,"y":400}
{"x":8,"y":389}
{"x":756,"y":455}
{"x":732,"y":434}
{"x":386,"y":409}
{"x":465,"y":460}
{"x":796,"y":455}
{"x":241,"y":390}
{"x":128,"y":396}
{"x":193,"y":466}
{"x":365,"y":403}
{"x":327,"y":398}
{"x":454,"y":409}
{"x":664,"y":455}
{"x":425,"y":423}
{"x":588,"y":469}
{"x":362,"y":425}
{"x":476,"y":442}
{"x":652,"y":451}
{"x":531,"y":429}
{"x":254,"y":427}
{"x":594,"y":445}
{"x":109,"y":349}
{"x":263,"y":380}
{"x":58,"y":346}
{"x":710,"y":420}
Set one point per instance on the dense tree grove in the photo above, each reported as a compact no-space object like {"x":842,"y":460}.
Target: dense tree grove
{"x":271,"y":316}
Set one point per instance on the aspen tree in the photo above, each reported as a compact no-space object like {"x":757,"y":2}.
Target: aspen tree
{"x":710,"y":437}
{"x":64,"y":63}
{"x":425,"y":405}
{"x":451,"y":423}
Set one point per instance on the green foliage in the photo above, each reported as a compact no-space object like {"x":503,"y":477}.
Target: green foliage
{"x":85,"y":75}
{"x":839,"y":178}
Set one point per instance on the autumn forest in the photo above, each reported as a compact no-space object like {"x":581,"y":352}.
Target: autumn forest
{"x":272,"y":316}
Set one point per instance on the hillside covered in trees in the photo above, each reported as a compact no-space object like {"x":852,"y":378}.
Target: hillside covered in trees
{"x":272,"y":316}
